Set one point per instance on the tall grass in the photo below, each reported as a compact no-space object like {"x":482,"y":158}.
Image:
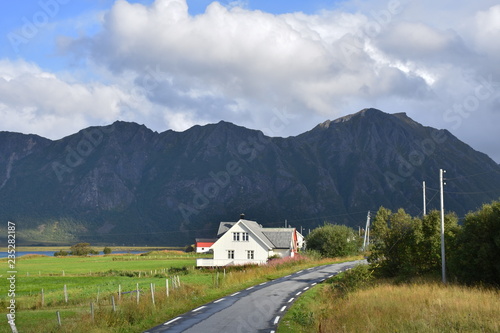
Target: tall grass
{"x":415,"y":307}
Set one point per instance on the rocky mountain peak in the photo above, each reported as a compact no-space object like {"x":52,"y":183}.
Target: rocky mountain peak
{"x":171,"y":187}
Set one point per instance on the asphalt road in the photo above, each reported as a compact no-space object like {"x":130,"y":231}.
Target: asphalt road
{"x":255,"y":309}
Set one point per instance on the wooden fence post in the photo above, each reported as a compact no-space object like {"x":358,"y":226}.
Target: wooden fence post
{"x":58,"y":318}
{"x":137,"y":293}
{"x":152,"y":294}
{"x":65,"y":294}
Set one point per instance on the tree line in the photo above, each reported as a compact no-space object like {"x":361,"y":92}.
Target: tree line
{"x":406,"y":246}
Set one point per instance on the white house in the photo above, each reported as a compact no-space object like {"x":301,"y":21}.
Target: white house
{"x":247,"y":242}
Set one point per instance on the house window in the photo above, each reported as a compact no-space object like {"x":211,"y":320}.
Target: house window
{"x":250,"y":254}
{"x":236,"y":236}
{"x":230,"y":254}
{"x":244,"y":236}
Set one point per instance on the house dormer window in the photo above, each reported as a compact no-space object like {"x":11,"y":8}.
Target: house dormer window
{"x":244,"y":236}
{"x":236,"y":236}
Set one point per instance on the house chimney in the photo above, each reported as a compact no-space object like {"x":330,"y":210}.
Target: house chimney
{"x":242,"y":216}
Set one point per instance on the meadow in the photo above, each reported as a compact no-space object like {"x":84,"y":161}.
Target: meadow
{"x":419,"y":306}
{"x":98,"y":280}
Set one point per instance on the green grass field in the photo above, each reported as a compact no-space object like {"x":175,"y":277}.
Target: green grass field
{"x":97,"y":278}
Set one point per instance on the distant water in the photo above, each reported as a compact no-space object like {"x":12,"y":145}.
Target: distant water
{"x":4,"y":254}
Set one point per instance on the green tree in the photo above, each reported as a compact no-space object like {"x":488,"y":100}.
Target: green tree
{"x":379,"y":234}
{"x":107,"y":250}
{"x":406,"y":246}
{"x":477,"y":255}
{"x":82,"y":249}
{"x":429,"y":245}
{"x":333,"y":241}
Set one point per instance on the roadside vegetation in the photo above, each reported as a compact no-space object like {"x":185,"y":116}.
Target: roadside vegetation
{"x":419,"y":305}
{"x":401,"y":289}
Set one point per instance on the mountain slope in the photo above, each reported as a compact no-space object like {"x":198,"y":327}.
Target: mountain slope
{"x":124,"y":183}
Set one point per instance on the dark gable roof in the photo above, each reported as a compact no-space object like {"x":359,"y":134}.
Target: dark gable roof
{"x":257,"y":229}
{"x":205,"y":240}
{"x":280,"y":237}
{"x":224,"y":227}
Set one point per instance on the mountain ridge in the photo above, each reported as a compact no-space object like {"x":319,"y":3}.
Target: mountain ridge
{"x":113,"y":183}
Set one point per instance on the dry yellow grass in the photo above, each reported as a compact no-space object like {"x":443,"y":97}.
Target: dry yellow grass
{"x":429,"y":307}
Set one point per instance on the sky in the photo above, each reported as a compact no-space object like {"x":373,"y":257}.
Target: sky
{"x":278,"y":66}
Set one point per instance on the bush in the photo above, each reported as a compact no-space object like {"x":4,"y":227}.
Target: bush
{"x":333,"y":241}
{"x":107,"y":250}
{"x":273,"y":257}
{"x":61,"y":253}
{"x":178,"y":270}
{"x":352,"y":280}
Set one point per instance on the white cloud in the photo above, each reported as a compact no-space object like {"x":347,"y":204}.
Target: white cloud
{"x":160,"y":66}
{"x":33,"y":100}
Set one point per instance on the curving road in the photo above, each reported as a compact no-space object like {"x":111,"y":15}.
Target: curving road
{"x":255,"y":309}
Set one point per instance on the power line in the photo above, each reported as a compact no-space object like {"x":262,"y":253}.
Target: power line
{"x":474,"y":175}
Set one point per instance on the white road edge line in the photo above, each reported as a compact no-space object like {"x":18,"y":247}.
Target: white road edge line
{"x":313,"y":284}
{"x":219,"y":300}
{"x":276,"y":320}
{"x":235,"y":293}
{"x":283,"y":308}
{"x":263,"y":283}
{"x":300,"y":271}
{"x":290,"y":300}
{"x":306,"y":288}
{"x":297,"y":294}
{"x":286,"y":276}
{"x":170,"y":322}
{"x":200,"y":308}
{"x":250,"y":288}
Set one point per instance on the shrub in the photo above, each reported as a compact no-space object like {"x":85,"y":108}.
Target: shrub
{"x":352,"y":280}
{"x":61,"y":253}
{"x":334,"y":241}
{"x":274,"y":257}
{"x":178,"y":270}
{"x":107,"y":250}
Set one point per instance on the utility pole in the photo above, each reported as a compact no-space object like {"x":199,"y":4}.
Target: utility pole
{"x":285,"y":223}
{"x":443,"y":258}
{"x":425,"y":205}
{"x":366,"y":240}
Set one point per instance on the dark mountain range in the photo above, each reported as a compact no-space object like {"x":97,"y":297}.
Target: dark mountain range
{"x":125,"y":184}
